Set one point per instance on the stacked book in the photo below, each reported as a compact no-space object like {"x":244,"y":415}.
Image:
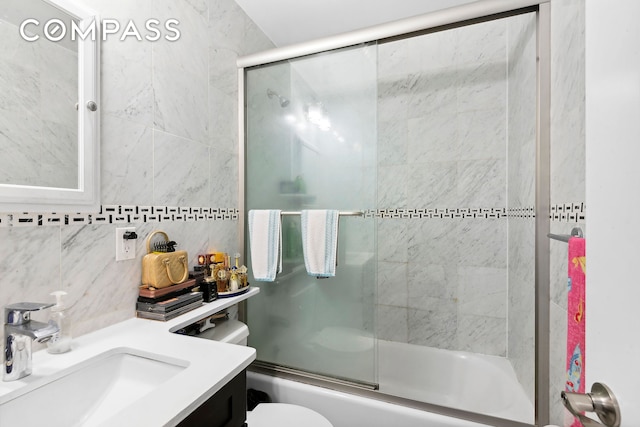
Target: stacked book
{"x":167,"y":303}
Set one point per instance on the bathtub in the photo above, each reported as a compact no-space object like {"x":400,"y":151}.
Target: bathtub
{"x":347,"y":410}
{"x":472,"y":382}
{"x":459,"y":380}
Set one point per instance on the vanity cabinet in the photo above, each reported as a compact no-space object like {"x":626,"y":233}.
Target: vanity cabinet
{"x":226,"y":408}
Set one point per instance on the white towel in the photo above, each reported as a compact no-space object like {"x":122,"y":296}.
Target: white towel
{"x":265,"y":236}
{"x":320,"y":241}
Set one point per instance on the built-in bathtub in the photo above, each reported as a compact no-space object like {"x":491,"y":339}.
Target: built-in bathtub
{"x":348,"y":410}
{"x":468,"y":381}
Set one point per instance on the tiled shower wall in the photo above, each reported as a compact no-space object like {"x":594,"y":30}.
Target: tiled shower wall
{"x":448,"y":282}
{"x":442,"y":108}
{"x":521,"y":192}
{"x":169,"y":139}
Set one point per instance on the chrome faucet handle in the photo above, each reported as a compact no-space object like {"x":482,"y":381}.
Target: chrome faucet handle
{"x":19,"y":313}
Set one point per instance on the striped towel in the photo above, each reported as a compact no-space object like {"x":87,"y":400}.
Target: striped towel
{"x":320,"y":241}
{"x":265,"y":238}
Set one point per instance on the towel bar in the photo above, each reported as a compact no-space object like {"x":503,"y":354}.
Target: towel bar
{"x":341,"y":213}
{"x":575,"y":232}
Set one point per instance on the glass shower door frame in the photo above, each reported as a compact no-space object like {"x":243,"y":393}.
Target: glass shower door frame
{"x":449,"y":18}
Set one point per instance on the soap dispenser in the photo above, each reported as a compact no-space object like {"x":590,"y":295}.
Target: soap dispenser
{"x":61,"y":342}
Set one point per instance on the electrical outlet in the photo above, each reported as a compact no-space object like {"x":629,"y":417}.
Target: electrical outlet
{"x":125,"y":248}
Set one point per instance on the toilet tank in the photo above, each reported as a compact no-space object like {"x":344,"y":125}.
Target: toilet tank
{"x":228,"y":330}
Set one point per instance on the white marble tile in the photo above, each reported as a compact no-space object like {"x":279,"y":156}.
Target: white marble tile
{"x":521,"y":174}
{"x":521,"y":343}
{"x":181,"y":72}
{"x":396,"y":58}
{"x":126,"y":78}
{"x":15,"y":50}
{"x":392,"y":187}
{"x":127,"y":162}
{"x":392,"y":283}
{"x":58,"y":152}
{"x":57,"y":63}
{"x":96,"y":284}
{"x":392,"y":143}
{"x":30,"y":264}
{"x":482,"y":134}
{"x":433,"y":328}
{"x":433,"y":138}
{"x":223,"y":120}
{"x":393,"y":239}
{"x":227,"y":24}
{"x":436,"y":50}
{"x":21,"y":87}
{"x":481,"y":183}
{"x":432,"y":184}
{"x":59,"y":90}
{"x":482,"y":291}
{"x":434,"y":242}
{"x":567,"y":155}
{"x":482,"y":43}
{"x":223,"y":179}
{"x":181,"y":100}
{"x":482,"y":334}
{"x":432,"y":92}
{"x":181,"y":171}
{"x":191,"y":50}
{"x":433,"y":287}
{"x":223,"y":72}
{"x":483,"y":243}
{"x":567,"y":102}
{"x":20,"y":139}
{"x":254,"y":39}
{"x":482,"y":86}
{"x":394,"y":94}
{"x":392,"y":323}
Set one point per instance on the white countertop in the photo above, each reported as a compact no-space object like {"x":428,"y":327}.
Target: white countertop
{"x":211,"y":364}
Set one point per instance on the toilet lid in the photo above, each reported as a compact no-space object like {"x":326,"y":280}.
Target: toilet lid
{"x":285,"y":415}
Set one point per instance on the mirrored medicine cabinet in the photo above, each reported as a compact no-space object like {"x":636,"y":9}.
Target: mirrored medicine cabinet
{"x":49,"y":107}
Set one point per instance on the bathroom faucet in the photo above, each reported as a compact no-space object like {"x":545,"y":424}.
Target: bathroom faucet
{"x":19,"y":332}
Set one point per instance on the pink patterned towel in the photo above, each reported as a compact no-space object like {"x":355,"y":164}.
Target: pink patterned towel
{"x":576,"y":310}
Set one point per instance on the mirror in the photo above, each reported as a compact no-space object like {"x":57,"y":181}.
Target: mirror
{"x":49,"y":123}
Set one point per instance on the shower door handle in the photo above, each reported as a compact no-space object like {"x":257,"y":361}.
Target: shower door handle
{"x":601,"y":400}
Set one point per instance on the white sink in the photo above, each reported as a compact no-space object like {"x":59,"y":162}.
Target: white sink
{"x":91,"y":392}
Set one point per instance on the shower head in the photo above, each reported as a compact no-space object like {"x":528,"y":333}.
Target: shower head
{"x":283,"y":101}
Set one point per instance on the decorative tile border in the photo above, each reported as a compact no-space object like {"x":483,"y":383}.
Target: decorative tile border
{"x":437,"y":213}
{"x":568,"y":212}
{"x":565,"y":212}
{"x":118,"y":214}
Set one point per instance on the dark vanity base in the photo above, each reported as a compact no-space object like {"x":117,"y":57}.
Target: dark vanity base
{"x":226,"y":408}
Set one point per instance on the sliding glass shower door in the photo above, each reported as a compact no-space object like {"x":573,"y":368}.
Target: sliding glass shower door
{"x":311,"y":144}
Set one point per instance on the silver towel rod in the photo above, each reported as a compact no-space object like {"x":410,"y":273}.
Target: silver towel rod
{"x":341,"y":213}
{"x":575,"y":232}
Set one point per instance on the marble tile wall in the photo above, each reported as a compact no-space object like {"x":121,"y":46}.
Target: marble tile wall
{"x":38,"y":124}
{"x":567,"y":170}
{"x":521,"y":192}
{"x":169,"y":138}
{"x":456,"y":143}
{"x":442,"y":104}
